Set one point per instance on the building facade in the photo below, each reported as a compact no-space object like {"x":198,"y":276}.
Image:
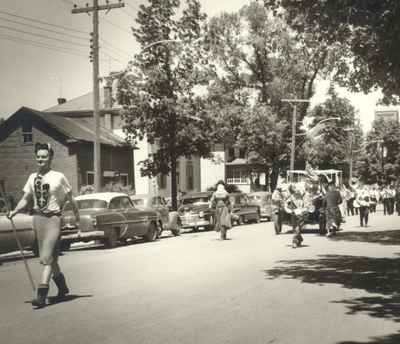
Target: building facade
{"x":73,"y":146}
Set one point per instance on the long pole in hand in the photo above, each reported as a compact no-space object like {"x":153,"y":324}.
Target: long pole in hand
{"x":21,"y":250}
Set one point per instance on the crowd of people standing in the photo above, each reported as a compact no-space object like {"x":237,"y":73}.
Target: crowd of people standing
{"x":362,"y":199}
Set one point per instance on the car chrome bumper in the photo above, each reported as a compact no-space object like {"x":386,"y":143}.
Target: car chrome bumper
{"x":193,"y":221}
{"x":76,"y":235}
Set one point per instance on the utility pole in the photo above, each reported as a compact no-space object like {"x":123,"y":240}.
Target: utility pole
{"x":96,"y":93}
{"x":294,"y":103}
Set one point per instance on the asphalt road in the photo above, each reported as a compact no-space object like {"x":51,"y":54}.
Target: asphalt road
{"x":253,"y":288}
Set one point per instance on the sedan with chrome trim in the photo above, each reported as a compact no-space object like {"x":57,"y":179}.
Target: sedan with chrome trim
{"x":195,"y":212}
{"x":109,"y":217}
{"x":24,"y":228}
{"x":168,"y":220}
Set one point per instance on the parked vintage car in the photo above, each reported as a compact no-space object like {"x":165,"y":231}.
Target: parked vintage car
{"x":24,"y":228}
{"x":109,"y":217}
{"x":168,"y":220}
{"x":195,"y":212}
{"x":242,"y":210}
{"x":263,"y":200}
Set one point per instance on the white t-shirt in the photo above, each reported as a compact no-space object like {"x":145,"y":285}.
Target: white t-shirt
{"x":48,"y":191}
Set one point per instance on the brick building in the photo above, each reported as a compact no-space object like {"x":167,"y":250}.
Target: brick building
{"x":71,"y":135}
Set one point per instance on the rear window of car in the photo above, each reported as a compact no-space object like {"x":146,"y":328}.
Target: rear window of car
{"x":88,"y":204}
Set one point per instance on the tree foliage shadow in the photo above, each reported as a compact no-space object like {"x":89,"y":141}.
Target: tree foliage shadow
{"x":374,"y":275}
{"x":389,"y":339}
{"x":390,"y":237}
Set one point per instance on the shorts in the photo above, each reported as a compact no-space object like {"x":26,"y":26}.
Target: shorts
{"x":48,"y":232}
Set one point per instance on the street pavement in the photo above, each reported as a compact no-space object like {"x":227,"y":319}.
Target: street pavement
{"x":253,"y":288}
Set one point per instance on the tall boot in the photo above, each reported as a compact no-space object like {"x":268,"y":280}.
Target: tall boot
{"x":63,"y":290}
{"x":42,"y":292}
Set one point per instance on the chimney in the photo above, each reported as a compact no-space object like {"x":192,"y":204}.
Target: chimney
{"x":61,"y":101}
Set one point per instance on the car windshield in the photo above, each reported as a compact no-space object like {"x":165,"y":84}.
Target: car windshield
{"x":88,"y":204}
{"x":195,"y":200}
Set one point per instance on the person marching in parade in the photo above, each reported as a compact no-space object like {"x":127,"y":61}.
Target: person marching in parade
{"x":333,"y":199}
{"x":221,"y":203}
{"x":49,"y":190}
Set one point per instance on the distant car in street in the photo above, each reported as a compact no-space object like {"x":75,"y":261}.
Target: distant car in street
{"x":263,"y":200}
{"x":109,"y":217}
{"x":168,"y":220}
{"x":242,"y":210}
{"x":26,"y":235}
{"x":195,"y":212}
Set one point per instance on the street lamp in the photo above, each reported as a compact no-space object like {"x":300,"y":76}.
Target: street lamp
{"x":294,"y":103}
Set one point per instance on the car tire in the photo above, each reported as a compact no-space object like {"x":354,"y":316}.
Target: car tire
{"x":65,"y":245}
{"x":177,"y":230}
{"x":212,"y":223}
{"x":152,"y":232}
{"x":35,"y":248}
{"x":111,"y":239}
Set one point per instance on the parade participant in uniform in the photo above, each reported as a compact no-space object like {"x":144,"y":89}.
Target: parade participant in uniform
{"x":332,"y":212}
{"x":373,"y":200}
{"x":385,"y":200}
{"x":49,"y":190}
{"x":296,"y":206}
{"x":221,"y":203}
{"x":363,"y":199}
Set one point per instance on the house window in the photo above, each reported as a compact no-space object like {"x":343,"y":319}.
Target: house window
{"x":189,"y":175}
{"x":177,"y":174}
{"x":231,"y":154}
{"x":89,"y":178}
{"x":242,"y":153}
{"x":237,"y":176}
{"x":27,"y":137}
{"x":162,"y":181}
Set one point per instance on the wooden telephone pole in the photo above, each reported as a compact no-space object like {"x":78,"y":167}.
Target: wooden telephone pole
{"x":96,"y":94}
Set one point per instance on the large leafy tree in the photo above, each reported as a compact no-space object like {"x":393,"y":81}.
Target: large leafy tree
{"x":380,"y":161}
{"x":259,"y":62}
{"x":263,"y":135}
{"x":158,"y":92}
{"x":368,"y":28}
{"x":330,"y":147}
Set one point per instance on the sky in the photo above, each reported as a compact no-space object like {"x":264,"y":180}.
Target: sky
{"x":35,"y":70}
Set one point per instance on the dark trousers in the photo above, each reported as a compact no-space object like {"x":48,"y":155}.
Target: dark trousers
{"x":297,"y":225}
{"x":350,"y":207}
{"x":386,"y":210}
{"x":364,"y":212}
{"x":391,"y":205}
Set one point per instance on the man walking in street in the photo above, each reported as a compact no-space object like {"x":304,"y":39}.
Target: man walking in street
{"x":333,"y":215}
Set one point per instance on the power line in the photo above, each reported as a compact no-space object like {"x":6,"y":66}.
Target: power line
{"x":43,"y":22}
{"x":112,"y":50}
{"x":43,"y":29}
{"x":43,"y":45}
{"x":115,"y":25}
{"x":43,"y":36}
{"x":114,"y":46}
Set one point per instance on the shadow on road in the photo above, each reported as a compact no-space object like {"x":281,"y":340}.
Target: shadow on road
{"x":390,"y":339}
{"x":391,"y":237}
{"x":374,"y":275}
{"x":53,"y":300}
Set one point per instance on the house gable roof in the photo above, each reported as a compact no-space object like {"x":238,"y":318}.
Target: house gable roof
{"x":65,"y":129}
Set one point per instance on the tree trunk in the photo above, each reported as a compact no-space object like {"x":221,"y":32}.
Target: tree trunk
{"x":274,"y":177}
{"x":174,"y":190}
